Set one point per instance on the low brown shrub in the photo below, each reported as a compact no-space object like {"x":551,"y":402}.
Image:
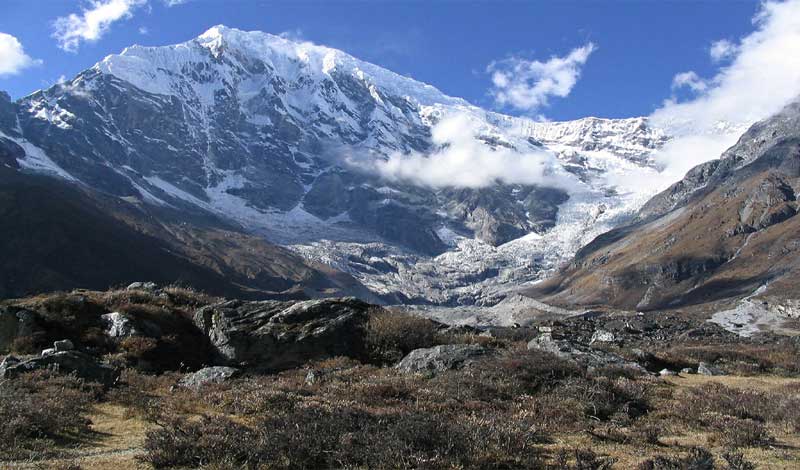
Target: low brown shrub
{"x":344,"y":437}
{"x":698,"y":459}
{"x":392,"y":335}
{"x":581,"y":459}
{"x":736,"y":432}
{"x":38,"y":407}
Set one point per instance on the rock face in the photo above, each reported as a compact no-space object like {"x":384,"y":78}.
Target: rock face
{"x":272,"y":335}
{"x":441,"y":358}
{"x":728,"y":230}
{"x":118,"y":325}
{"x":580,"y":353}
{"x":209,"y":375}
{"x":82,"y":365}
{"x":259,"y":130}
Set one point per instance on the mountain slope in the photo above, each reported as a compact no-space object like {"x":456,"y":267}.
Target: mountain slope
{"x":57,"y":236}
{"x":728,"y":229}
{"x":281,"y":138}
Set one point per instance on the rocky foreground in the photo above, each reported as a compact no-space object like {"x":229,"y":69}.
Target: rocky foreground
{"x":201,"y":382}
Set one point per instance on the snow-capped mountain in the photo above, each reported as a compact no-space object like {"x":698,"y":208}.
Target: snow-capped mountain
{"x":278,"y":136}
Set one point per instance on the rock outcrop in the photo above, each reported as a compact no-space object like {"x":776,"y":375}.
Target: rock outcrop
{"x":580,"y":353}
{"x":441,"y":358}
{"x":273,"y":335}
{"x":209,"y":375}
{"x":82,"y":365}
{"x":726,"y":230}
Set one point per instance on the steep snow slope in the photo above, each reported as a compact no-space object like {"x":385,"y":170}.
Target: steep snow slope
{"x":281,"y":137}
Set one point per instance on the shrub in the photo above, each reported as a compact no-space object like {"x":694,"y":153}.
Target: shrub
{"x":37,"y":407}
{"x":392,"y":335}
{"x":735,"y":432}
{"x":28,"y":344}
{"x":584,"y":459}
{"x":736,"y":461}
{"x":698,"y":459}
{"x":344,"y":437}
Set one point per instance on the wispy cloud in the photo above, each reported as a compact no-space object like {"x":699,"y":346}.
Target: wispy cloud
{"x":174,"y":3}
{"x":721,"y":50}
{"x":13,"y":58}
{"x":92,"y":23}
{"x":464,"y":160}
{"x":762,"y":77}
{"x":689,"y":80}
{"x":528,"y":84}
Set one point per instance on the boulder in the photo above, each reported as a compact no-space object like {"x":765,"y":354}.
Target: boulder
{"x":119,"y":325}
{"x":209,"y":375}
{"x":687,"y":370}
{"x":148,"y":286}
{"x":666,"y":373}
{"x":273,"y":335}
{"x":581,"y":353}
{"x":82,"y":365}
{"x":63,"y":345}
{"x":707,"y":369}
{"x":441,"y":358}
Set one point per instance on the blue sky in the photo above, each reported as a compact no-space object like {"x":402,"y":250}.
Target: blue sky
{"x":638,"y":46}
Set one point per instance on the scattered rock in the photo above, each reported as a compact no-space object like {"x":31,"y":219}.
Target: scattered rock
{"x":311,"y":378}
{"x":273,"y":335}
{"x":666,"y":373}
{"x":687,"y":370}
{"x":63,"y":345}
{"x":602,"y":336}
{"x":581,"y":353}
{"x":441,"y":358}
{"x":209,"y":375}
{"x":82,"y":365}
{"x":707,"y":369}
{"x":48,"y":351}
{"x":148,"y":286}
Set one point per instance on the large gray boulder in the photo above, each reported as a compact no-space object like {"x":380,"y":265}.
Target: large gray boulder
{"x":82,"y":365}
{"x":209,"y":375}
{"x":273,"y":335}
{"x":441,"y":358}
{"x":708,"y":369}
{"x":582,"y":354}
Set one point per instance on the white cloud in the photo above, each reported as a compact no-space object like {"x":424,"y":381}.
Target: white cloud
{"x":92,"y":23}
{"x":528,"y":84}
{"x":13,"y":58}
{"x":464,"y":161}
{"x":690,"y":80}
{"x":721,"y":50}
{"x":762,"y":77}
{"x":144,"y":31}
{"x":174,"y":3}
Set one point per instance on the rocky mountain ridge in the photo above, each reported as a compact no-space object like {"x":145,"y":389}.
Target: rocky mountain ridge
{"x":258,"y":130}
{"x":728,"y":230}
